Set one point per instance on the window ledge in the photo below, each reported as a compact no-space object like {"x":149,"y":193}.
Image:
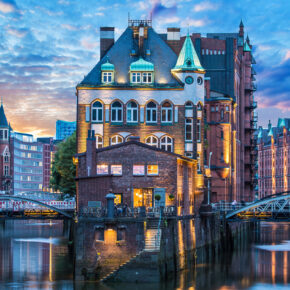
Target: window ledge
{"x":151,"y":124}
{"x":97,"y":122}
{"x":117,"y":123}
{"x":132,"y":123}
{"x":166,"y":123}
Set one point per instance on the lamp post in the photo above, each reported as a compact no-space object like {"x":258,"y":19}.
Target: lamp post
{"x":208,"y":175}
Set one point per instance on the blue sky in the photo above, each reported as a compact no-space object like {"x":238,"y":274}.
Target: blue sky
{"x":46,"y":48}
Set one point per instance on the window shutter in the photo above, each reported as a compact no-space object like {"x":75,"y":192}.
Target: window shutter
{"x":176,"y":114}
{"x":87,"y":114}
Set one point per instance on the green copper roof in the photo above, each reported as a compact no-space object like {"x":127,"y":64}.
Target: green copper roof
{"x":270,"y":132}
{"x":247,"y":47}
{"x":141,"y":65}
{"x":3,"y":120}
{"x":260,"y":134}
{"x":281,"y":122}
{"x":107,"y":66}
{"x":188,"y":59}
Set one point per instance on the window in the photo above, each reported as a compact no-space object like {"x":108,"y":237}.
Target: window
{"x":199,"y":81}
{"x":138,"y":170}
{"x":222,"y":134}
{"x":222,"y":156}
{"x":147,"y":78}
{"x":102,"y":169}
{"x":227,"y":108}
{"x":151,"y":113}
{"x":152,"y":169}
{"x":97,"y":112}
{"x":189,"y":105}
{"x":198,"y":163}
{"x":136,"y":77}
{"x":117,"y":112}
{"x":222,"y":114}
{"x":116,"y":169}
{"x":99,"y":141}
{"x":212,"y":108}
{"x":6,"y":170}
{"x":132,"y":112}
{"x":216,"y":108}
{"x":188,"y":129}
{"x":166,"y":143}
{"x":107,"y":77}
{"x":6,"y":158}
{"x":198,"y":130}
{"x":152,"y":141}
{"x":199,"y":107}
{"x":4,"y":134}
{"x":116,"y":140}
{"x":166,"y":112}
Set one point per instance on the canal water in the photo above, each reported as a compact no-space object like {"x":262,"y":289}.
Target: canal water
{"x":35,"y":255}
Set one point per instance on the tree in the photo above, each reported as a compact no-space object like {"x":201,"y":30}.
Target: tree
{"x":63,"y":170}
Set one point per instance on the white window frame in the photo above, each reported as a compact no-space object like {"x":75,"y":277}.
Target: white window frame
{"x":151,"y":113}
{"x":166,"y":141}
{"x":115,"y":139}
{"x":188,"y":123}
{"x":116,"y":110}
{"x":104,"y":166}
{"x":99,"y":141}
{"x":138,"y":174}
{"x":168,"y":113}
{"x":116,"y":166}
{"x":136,"y":77}
{"x":107,"y":77}
{"x":147,"y":77}
{"x":198,"y":130}
{"x":96,"y":110}
{"x":131,"y":110}
{"x":152,"y":174}
{"x":150,"y":141}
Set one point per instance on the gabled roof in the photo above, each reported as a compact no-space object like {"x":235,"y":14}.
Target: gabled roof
{"x":3,"y":120}
{"x":120,"y":54}
{"x":188,"y":58}
{"x":247,"y":47}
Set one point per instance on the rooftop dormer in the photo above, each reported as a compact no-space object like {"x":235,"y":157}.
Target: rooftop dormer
{"x":142,"y":72}
{"x":108,"y":70}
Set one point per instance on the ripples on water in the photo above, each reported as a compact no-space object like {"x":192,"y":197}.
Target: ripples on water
{"x":35,"y":255}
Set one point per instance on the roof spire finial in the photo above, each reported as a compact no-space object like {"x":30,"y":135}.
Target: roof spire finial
{"x":1,"y":101}
{"x":187,"y":29}
{"x":241,"y":23}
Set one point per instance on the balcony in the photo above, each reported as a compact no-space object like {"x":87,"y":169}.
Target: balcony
{"x":252,"y":105}
{"x":253,"y":72}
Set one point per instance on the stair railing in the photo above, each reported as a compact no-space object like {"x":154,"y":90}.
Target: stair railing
{"x":157,"y":237}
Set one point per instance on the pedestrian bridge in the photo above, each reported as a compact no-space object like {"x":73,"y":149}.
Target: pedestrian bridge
{"x":276,"y":206}
{"x":11,"y":205}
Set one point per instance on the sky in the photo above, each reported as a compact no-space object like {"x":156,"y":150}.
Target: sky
{"x":47,"y":47}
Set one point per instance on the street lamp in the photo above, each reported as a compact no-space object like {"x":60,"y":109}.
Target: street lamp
{"x":208,"y":175}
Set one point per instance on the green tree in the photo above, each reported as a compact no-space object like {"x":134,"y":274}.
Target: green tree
{"x":63,"y":170}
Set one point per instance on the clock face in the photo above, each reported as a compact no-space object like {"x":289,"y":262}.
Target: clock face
{"x":189,"y":80}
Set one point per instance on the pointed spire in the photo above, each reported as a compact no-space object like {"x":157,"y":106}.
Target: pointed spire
{"x":281,"y":123}
{"x":188,"y":58}
{"x":260,"y":134}
{"x":3,"y":119}
{"x":246,"y":46}
{"x":270,"y":133}
{"x":241,"y":23}
{"x":248,"y":39}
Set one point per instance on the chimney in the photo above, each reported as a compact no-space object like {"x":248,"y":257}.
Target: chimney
{"x":106,"y":39}
{"x":173,"y":38}
{"x":91,"y":153}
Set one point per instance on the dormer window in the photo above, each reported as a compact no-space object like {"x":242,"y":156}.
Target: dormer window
{"x":142,"y":72}
{"x":108,"y":70}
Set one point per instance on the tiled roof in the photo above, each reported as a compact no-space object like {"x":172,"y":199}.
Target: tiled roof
{"x":120,"y":55}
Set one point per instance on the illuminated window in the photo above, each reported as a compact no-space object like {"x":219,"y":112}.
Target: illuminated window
{"x":147,"y":78}
{"x":97,"y":112}
{"x":152,"y":170}
{"x":166,"y":112}
{"x":136,"y":77}
{"x":188,"y":129}
{"x":117,"y":112}
{"x":166,"y":143}
{"x":198,"y":163}
{"x":102,"y":169}
{"x":138,"y":170}
{"x":107,"y":77}
{"x":118,"y":198}
{"x":99,"y":141}
{"x":116,"y":140}
{"x":132,"y":112}
{"x":151,"y":113}
{"x":152,"y":141}
{"x":116,"y":169}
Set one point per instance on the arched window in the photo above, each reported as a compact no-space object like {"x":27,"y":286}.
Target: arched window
{"x":132,"y":112}
{"x":151,"y":113}
{"x":199,"y":106}
{"x":116,"y":140}
{"x":99,"y":141}
{"x":152,"y":141}
{"x":97,"y":112}
{"x":188,"y":104}
{"x":117,"y":112}
{"x":166,"y":112}
{"x":166,"y":143}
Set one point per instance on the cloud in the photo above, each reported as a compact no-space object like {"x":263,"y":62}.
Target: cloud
{"x":287,"y":55}
{"x":88,"y":43}
{"x":203,"y":6}
{"x":193,"y":22}
{"x":18,"y":32}
{"x":161,"y":10}
{"x":70,"y":27}
{"x":7,"y":6}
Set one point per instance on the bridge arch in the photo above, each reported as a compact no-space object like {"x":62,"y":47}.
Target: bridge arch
{"x":12,"y":197}
{"x":266,"y":200}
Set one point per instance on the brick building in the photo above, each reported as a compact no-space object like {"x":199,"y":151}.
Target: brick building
{"x":135,"y":172}
{"x":164,"y":88}
{"x":274,"y":158}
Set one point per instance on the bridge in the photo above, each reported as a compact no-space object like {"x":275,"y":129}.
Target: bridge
{"x":30,"y":205}
{"x":276,"y":206}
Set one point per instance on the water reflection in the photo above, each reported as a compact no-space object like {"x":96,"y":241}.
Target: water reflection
{"x":35,"y":255}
